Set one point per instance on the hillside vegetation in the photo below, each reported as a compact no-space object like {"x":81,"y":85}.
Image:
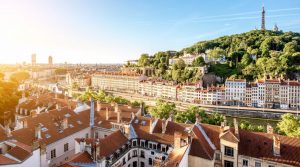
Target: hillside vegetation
{"x":249,"y":55}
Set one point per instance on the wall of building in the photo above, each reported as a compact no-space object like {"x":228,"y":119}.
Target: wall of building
{"x":62,"y":156}
{"x":30,"y":162}
{"x":196,"y":161}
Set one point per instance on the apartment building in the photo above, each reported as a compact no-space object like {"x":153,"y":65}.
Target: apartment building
{"x":212,"y":95}
{"x":115,"y":81}
{"x":268,"y":93}
{"x":159,"y":89}
{"x":235,"y":91}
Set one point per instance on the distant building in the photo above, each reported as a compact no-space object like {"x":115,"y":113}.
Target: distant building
{"x":33,"y":59}
{"x":275,"y":28}
{"x":50,"y":60}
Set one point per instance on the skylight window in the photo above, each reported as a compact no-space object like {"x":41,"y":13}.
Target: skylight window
{"x":79,"y":122}
{"x":47,"y":136}
{"x":136,"y":121}
{"x":44,"y":129}
{"x":67,"y":115}
{"x":71,"y":126}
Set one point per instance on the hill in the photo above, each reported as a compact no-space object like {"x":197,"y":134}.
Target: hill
{"x":249,"y":55}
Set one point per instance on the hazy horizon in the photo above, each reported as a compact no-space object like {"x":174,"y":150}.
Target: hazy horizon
{"x":111,"y":32}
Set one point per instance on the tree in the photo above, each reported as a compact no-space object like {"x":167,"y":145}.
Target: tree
{"x":290,"y":47}
{"x":60,"y":71}
{"x":246,"y":60}
{"x":1,"y":76}
{"x":19,"y":76}
{"x":163,"y":109}
{"x":289,"y":125}
{"x":199,"y":61}
{"x":144,"y":60}
{"x":216,"y":53}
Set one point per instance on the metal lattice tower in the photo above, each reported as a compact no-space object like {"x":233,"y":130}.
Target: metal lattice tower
{"x":263,"y":26}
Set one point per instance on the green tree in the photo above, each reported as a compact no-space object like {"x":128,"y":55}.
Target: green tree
{"x":19,"y":76}
{"x":246,"y":60}
{"x":144,"y":60}
{"x":163,"y":109}
{"x":1,"y":76}
{"x":199,"y":61}
{"x":291,"y":47}
{"x":289,"y":125}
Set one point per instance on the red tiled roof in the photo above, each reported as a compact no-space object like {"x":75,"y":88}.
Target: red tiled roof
{"x":19,"y":153}
{"x":111,"y":143}
{"x":5,"y":161}
{"x":260,"y":145}
{"x":200,"y":147}
{"x":176,"y":156}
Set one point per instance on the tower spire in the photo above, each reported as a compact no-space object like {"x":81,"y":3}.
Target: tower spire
{"x":263,"y":27}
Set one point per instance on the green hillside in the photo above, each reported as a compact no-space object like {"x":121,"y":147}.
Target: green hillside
{"x":277,"y":55}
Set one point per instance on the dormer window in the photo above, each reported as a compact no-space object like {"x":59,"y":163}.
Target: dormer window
{"x":229,"y":151}
{"x":134,"y":143}
{"x":245,"y":163}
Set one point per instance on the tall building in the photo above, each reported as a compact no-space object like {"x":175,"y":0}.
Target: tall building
{"x":263,"y":26}
{"x":33,"y":59}
{"x":50,"y":60}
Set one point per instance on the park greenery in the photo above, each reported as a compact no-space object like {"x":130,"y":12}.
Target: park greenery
{"x":103,"y":96}
{"x":19,"y":76}
{"x":289,"y":125}
{"x":9,"y":93}
{"x":164,"y":110}
{"x":250,"y":55}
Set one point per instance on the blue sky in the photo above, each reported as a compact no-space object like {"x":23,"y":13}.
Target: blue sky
{"x":113,"y":31}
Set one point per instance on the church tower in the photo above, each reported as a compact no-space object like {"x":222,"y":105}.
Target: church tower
{"x":263,"y":27}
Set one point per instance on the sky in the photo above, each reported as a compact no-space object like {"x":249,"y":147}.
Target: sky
{"x":113,"y":31}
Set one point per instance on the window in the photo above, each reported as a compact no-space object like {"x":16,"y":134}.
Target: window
{"x":134,"y":153}
{"x":142,"y":154}
{"x":86,"y":135}
{"x":96,"y":135}
{"x":163,"y":149}
{"x":245,"y":163}
{"x":257,"y":164}
{"x":1,"y":151}
{"x":53,"y":153}
{"x":228,"y":164}
{"x":134,"y":143}
{"x":271,"y":165}
{"x":150,"y":145}
{"x":154,"y":146}
{"x":134,"y":164}
{"x":124,"y":161}
{"x":66,"y":147}
{"x":218,"y":156}
{"x":143,"y":143}
{"x":150,"y":161}
{"x":229,"y":151}
{"x":163,"y":158}
{"x":128,"y":156}
{"x":142,"y":164}
{"x":152,"y":152}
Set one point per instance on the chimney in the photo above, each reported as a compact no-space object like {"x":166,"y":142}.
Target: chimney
{"x":270,"y":129}
{"x":276,"y":145}
{"x":107,"y":114}
{"x":92,"y":113}
{"x":7,"y":131}
{"x":57,"y":106}
{"x":236,"y":127}
{"x":66,"y":98}
{"x":65,"y":123}
{"x":98,"y":106}
{"x":82,"y":145}
{"x":151,"y":125}
{"x":164,"y":124}
{"x":69,"y":105}
{"x":25,"y":123}
{"x":177,"y":140}
{"x":116,"y":107}
{"x":37,"y":132}
{"x":132,"y":116}
{"x":119,"y":117}
{"x":198,"y":119}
